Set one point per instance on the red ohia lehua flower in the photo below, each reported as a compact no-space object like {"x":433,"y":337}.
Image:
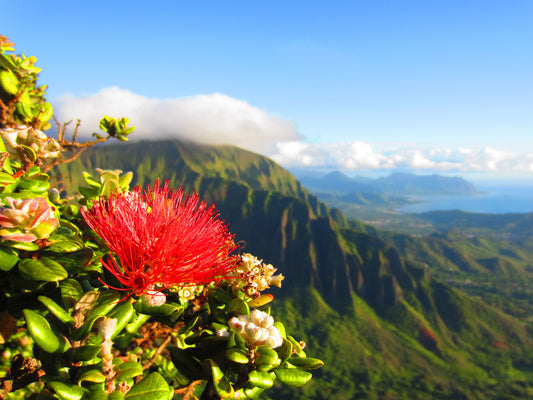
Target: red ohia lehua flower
{"x":162,"y":238}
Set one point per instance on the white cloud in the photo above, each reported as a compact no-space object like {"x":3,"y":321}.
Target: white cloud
{"x":359,"y":155}
{"x":215,"y":118}
{"x":218,"y":119}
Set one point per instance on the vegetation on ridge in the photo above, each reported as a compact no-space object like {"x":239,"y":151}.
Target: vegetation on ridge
{"x":380,"y":306}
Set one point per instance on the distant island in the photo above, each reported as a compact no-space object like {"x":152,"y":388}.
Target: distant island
{"x":395,"y":184}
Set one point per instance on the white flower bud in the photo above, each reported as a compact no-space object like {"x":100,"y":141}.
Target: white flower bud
{"x":222,"y":332}
{"x":252,"y":331}
{"x":154,"y":298}
{"x":256,"y":316}
{"x":274,"y":341}
{"x":267,"y":322}
{"x":263,"y":335}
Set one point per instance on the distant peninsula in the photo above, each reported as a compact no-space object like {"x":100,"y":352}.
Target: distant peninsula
{"x":395,"y":184}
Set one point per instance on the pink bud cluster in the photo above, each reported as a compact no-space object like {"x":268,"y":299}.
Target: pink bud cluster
{"x":42,"y":145}
{"x":26,"y":220}
{"x":257,"y":330}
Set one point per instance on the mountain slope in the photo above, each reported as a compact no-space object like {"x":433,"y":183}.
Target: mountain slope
{"x":383,"y":324}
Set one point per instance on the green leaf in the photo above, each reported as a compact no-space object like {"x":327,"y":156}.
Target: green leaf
{"x":44,"y":269}
{"x":105,"y":303}
{"x":67,"y":392}
{"x":83,"y":331}
{"x":74,"y":260}
{"x":65,"y":244}
{"x":266,"y":356}
{"x":27,"y":246}
{"x":8,"y":259}
{"x":33,"y":185}
{"x":306,"y":362}
{"x":186,"y":364}
{"x":222,"y":385}
{"x":153,"y":387}
{"x":293,"y":376}
{"x":167,"y":313}
{"x":128,"y":370}
{"x":85,"y":353}
{"x":57,"y":310}
{"x":109,"y":187}
{"x":238,"y":307}
{"x":91,"y":181}
{"x":261,"y":379}
{"x":40,"y":330}
{"x":123,"y":314}
{"x":6,"y":179}
{"x":237,"y":355}
{"x":71,"y":292}
{"x":93,"y":375}
{"x":285,"y":350}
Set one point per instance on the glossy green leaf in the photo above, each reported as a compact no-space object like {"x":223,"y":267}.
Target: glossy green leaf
{"x":44,"y":269}
{"x":93,"y":375}
{"x":266,"y":356}
{"x":222,"y":385}
{"x":252,"y":391}
{"x":67,"y":245}
{"x":43,"y":335}
{"x":8,"y":259}
{"x":183,"y":360}
{"x":293,"y":376}
{"x":238,"y":307}
{"x":67,"y":392}
{"x":88,"y":193}
{"x":6,"y":179}
{"x":152,"y":387}
{"x":123,"y":314}
{"x":306,"y":362}
{"x":167,"y":313}
{"x":85,"y":353}
{"x":261,"y":300}
{"x":285,"y":350}
{"x":116,"y":395}
{"x":237,"y":355}
{"x":33,"y":185}
{"x":261,"y":379}
{"x":27,"y":246}
{"x":71,"y":292}
{"x":281,"y":329}
{"x":90,"y":180}
{"x":189,"y":325}
{"x":296,"y":347}
{"x":57,"y":310}
{"x":105,"y":303}
{"x":128,"y":370}
{"x":109,"y":187}
{"x":83,"y":331}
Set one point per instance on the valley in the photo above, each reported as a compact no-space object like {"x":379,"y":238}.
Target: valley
{"x":441,"y":314}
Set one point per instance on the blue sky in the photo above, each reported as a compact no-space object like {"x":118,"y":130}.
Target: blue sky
{"x":362,"y":86}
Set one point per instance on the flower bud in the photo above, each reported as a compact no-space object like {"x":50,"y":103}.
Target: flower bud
{"x":26,"y":220}
{"x":154,"y":298}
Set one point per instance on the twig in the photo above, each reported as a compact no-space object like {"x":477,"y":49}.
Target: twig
{"x":188,"y":392}
{"x":158,"y":351}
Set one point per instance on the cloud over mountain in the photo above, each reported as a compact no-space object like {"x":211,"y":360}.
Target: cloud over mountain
{"x":220,"y":119}
{"x":214,"y":118}
{"x":357,"y":155}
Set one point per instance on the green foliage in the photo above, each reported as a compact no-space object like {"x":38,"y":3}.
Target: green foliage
{"x":364,"y":298}
{"x":69,"y":329}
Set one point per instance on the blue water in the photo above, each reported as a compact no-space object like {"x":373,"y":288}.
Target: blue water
{"x":493,"y":200}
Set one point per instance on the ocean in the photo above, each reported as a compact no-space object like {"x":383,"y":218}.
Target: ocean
{"x":492,"y":199}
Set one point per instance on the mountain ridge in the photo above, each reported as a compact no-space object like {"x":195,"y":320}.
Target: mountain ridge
{"x":337,"y":272}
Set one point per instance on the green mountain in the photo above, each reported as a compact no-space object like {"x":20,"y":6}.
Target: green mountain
{"x":387,"y":325}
